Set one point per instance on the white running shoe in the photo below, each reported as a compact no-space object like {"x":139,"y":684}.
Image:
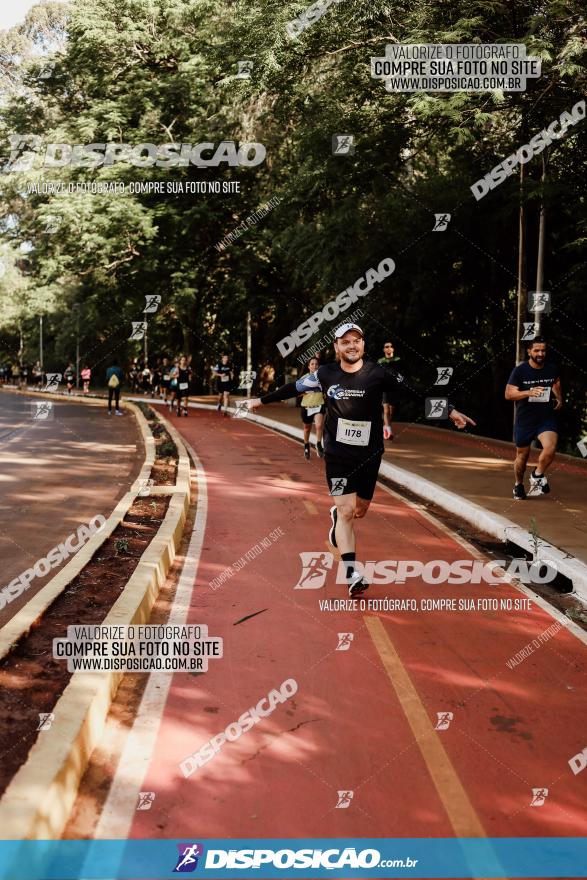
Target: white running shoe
{"x":538,"y":485}
{"x":357,"y":585}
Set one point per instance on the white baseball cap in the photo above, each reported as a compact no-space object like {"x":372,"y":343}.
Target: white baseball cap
{"x":344,"y":328}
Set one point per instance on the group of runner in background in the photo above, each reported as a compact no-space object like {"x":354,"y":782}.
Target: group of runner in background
{"x":25,"y":375}
{"x":170,"y":379}
{"x":175,"y":379}
{"x":534,"y":386}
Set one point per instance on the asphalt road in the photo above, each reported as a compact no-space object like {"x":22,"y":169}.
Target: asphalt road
{"x":55,"y":475}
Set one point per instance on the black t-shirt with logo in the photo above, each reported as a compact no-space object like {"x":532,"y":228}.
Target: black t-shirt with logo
{"x":225,"y":370}
{"x":533,"y":410}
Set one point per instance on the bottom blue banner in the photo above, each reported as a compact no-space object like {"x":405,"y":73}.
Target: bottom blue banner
{"x":412,"y":857}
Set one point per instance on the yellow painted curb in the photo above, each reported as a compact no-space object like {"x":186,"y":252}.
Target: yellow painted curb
{"x":37,"y":803}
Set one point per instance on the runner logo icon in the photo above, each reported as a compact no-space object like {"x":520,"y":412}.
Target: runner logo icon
{"x":152,"y":303}
{"x":314,"y":569}
{"x":343,"y":144}
{"x":344,"y":641}
{"x":444,"y":375}
{"x":187,"y":861}
{"x":441,"y":222}
{"x":46,"y":719}
{"x":436,"y":408}
{"x":539,"y":795}
{"x":530,"y":331}
{"x":247,"y":378}
{"x":241,"y":410}
{"x":344,"y":800}
{"x":23,"y":148}
{"x":42,"y":411}
{"x":53,"y":380}
{"x":444,"y":719}
{"x":539,"y":301}
{"x":338,"y":485}
{"x":146,"y":800}
{"x":138,"y":330}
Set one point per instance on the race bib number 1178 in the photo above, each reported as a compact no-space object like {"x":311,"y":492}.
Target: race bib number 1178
{"x":353,"y":433}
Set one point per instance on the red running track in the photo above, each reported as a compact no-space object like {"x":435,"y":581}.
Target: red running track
{"x":362,"y":720}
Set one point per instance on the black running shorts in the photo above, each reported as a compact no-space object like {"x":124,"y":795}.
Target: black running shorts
{"x":309,"y":420}
{"x":345,"y":475}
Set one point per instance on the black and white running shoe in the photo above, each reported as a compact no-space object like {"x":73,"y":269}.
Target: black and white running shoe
{"x":538,"y":485}
{"x":519,"y":492}
{"x":332,"y":532}
{"x":320,"y":449}
{"x":357,"y":585}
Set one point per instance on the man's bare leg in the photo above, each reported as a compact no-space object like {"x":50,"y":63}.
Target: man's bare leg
{"x":548,"y":440}
{"x":522,"y":454}
{"x":346,"y":506}
{"x":361,"y":508}
{"x":538,"y":481}
{"x":319,"y":424}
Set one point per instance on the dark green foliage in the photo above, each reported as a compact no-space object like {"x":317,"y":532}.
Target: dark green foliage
{"x":155,"y":70}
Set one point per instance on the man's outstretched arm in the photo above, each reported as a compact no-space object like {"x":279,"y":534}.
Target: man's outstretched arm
{"x":290,"y":389}
{"x":397,"y":383}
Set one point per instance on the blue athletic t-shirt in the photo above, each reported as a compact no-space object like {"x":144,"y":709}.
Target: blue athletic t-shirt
{"x":534,"y":410}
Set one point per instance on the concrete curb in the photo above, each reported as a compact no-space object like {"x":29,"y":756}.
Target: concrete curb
{"x":37,"y":803}
{"x":495,"y":525}
{"x":492,"y":523}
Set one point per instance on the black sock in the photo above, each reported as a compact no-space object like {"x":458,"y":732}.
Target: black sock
{"x":349,"y":558}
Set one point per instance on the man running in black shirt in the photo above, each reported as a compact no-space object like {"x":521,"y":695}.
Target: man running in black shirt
{"x":388,"y":358}
{"x":224,"y":373}
{"x":353,"y":433}
{"x":535,"y":387}
{"x":184,"y":376}
{"x":69,"y":376}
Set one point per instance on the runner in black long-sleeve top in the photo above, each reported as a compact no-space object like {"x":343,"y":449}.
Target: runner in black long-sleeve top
{"x":354,"y":433}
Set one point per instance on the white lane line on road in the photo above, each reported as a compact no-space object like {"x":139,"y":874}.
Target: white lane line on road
{"x":119,"y":810}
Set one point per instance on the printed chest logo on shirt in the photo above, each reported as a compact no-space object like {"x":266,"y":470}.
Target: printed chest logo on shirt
{"x":340,"y":393}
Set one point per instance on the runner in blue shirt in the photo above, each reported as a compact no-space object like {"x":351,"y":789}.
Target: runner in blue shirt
{"x":536,"y":389}
{"x":114,"y":380}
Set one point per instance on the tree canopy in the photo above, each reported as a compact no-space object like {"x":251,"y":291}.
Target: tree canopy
{"x":166,"y":71}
